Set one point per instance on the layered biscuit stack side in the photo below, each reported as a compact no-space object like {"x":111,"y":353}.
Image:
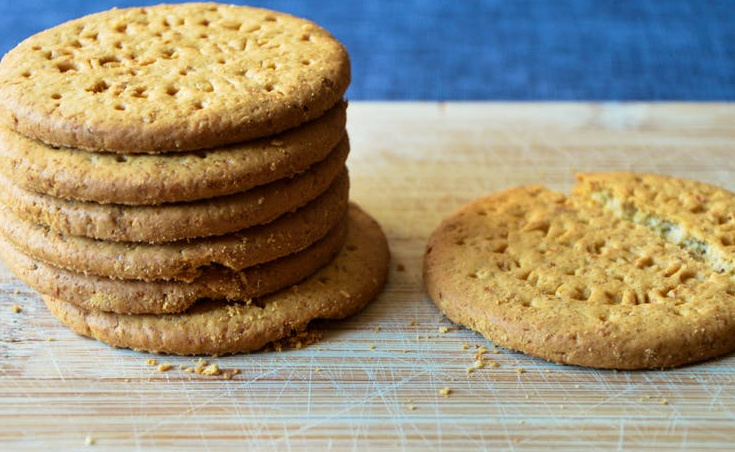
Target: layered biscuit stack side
{"x":173,"y":178}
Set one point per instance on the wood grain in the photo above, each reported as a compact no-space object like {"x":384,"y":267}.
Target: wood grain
{"x":411,"y":165}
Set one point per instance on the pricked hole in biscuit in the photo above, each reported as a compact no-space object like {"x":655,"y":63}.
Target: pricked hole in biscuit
{"x":36,"y":48}
{"x":109,"y":59}
{"x":204,"y":23}
{"x":99,"y":87}
{"x":165,"y":22}
{"x":140,"y":93}
{"x":644,"y":262}
{"x":75,"y":44}
{"x":500,"y":247}
{"x":121,"y":158}
{"x":66,"y":66}
{"x":686,"y":275}
{"x":117,"y":45}
{"x":350,"y":247}
{"x":270,"y":19}
{"x":198,"y":105}
{"x":183,"y":71}
{"x":221,"y":60}
{"x":306,"y":37}
{"x":726,"y":240}
{"x":203,"y":36}
{"x":56,"y":96}
{"x":699,"y":208}
{"x":90,"y":36}
{"x":172,"y":90}
{"x":730,"y":290}
{"x":526,"y":303}
{"x":472,"y":275}
{"x":269,"y":87}
{"x":602,"y":317}
{"x":253,"y":28}
{"x":26,"y":74}
{"x":168,"y":53}
{"x":121,"y":28}
{"x":120,"y":107}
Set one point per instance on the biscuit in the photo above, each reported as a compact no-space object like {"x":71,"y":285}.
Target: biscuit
{"x":136,"y":179}
{"x":630,"y":272}
{"x":183,"y":260}
{"x":340,"y":289}
{"x":154,"y":297}
{"x":178,"y":221}
{"x":171,"y":78}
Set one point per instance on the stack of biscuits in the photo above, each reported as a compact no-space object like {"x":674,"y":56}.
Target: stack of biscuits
{"x":173,"y":178}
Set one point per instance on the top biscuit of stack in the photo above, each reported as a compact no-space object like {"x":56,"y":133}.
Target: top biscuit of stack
{"x":171,"y":78}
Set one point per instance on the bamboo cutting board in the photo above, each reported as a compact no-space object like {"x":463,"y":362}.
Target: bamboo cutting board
{"x":373,"y":382}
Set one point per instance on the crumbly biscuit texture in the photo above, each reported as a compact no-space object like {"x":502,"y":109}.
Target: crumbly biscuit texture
{"x":171,"y":78}
{"x":340,"y":289}
{"x":136,"y":179}
{"x":612,"y":277}
{"x":182,"y":260}
{"x":179,"y":221}
{"x":155,"y":297}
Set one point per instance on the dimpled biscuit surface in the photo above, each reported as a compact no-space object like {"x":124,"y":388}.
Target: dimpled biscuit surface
{"x":171,"y":78}
{"x":632,"y":271}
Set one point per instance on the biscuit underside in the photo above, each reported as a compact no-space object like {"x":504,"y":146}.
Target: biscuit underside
{"x":178,"y":221}
{"x":171,"y":78}
{"x":182,"y":260}
{"x":339,"y":289}
{"x":581,"y":280}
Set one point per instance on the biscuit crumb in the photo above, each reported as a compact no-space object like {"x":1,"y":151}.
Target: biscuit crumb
{"x":164,"y":367}
{"x":16,"y":309}
{"x":89,"y":440}
{"x":210,"y":370}
{"x":492,"y":363}
{"x":479,"y":364}
{"x":445,"y":391}
{"x":261,"y":200}
{"x":413,"y":323}
{"x":50,"y":339}
{"x":372,"y":347}
{"x":317,"y":369}
{"x":443,"y":329}
{"x":400,"y":267}
{"x":664,"y":402}
{"x":520,"y":370}
{"x":470,"y":370}
{"x":411,"y":408}
{"x":151,"y":362}
{"x":344,"y":293}
{"x":181,"y":367}
{"x":465,"y":346}
{"x":298,"y":341}
{"x":376,"y":329}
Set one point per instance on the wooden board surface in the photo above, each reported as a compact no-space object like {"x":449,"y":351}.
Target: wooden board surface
{"x":373,"y":381}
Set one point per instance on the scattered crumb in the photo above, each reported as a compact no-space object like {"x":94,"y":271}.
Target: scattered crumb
{"x":50,"y":339}
{"x":405,"y":351}
{"x":664,"y":402}
{"x":376,"y":329}
{"x":520,"y":370}
{"x":151,"y":362}
{"x":210,"y":370}
{"x":317,"y":369}
{"x":465,"y":346}
{"x":479,"y":364}
{"x":261,"y":200}
{"x":445,"y":391}
{"x":400,"y":267}
{"x":89,"y":440}
{"x":16,"y":292}
{"x":443,"y":329}
{"x":16,"y":309}
{"x":411,"y":408}
{"x":189,"y":370}
{"x":344,"y":293}
{"x":372,"y":347}
{"x":492,"y":363}
{"x":413,"y":323}
{"x":164,"y":367}
{"x":469,"y":370}
{"x":181,"y":367}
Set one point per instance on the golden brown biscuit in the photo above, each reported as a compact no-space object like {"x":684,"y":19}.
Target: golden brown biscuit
{"x":136,"y":179}
{"x":171,"y":78}
{"x":128,"y":296}
{"x":182,"y":260}
{"x":590,"y":281}
{"x":338,"y":290}
{"x":178,"y":221}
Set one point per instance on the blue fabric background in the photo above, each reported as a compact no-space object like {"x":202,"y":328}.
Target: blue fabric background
{"x":497,"y":49}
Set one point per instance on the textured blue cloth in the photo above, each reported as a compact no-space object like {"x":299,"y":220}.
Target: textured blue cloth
{"x":497,"y":49}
